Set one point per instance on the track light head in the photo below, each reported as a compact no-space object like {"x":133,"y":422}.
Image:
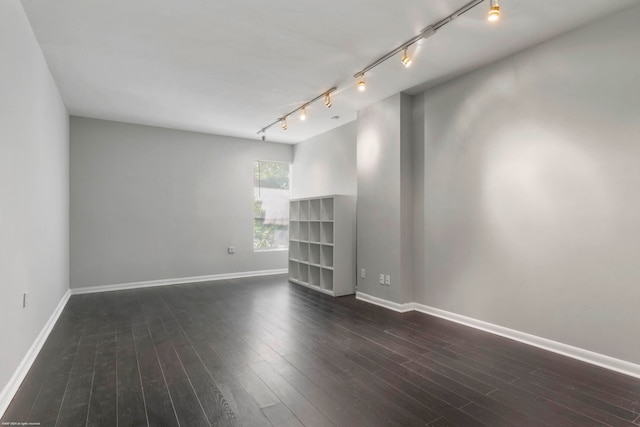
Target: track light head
{"x":303,"y":113}
{"x":283,"y":122}
{"x":494,"y":11}
{"x":327,"y":100}
{"x":362,"y":85}
{"x":263,"y":137}
{"x":406,"y":59}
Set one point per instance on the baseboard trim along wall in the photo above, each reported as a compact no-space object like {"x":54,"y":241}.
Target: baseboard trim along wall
{"x":583,"y":355}
{"x":178,"y":281}
{"x":18,"y":376}
{"x":400,"y":308}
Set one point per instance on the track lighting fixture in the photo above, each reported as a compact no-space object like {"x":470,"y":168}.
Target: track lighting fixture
{"x":362,"y":85}
{"x":494,"y":11}
{"x":406,"y":59}
{"x":302,"y":109}
{"x":327,"y":100}
{"x":425,"y":33}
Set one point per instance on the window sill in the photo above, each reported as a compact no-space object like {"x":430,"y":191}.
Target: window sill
{"x":271,"y":250}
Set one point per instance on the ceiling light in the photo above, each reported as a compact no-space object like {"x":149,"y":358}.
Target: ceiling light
{"x":494,"y":11}
{"x":406,"y":59}
{"x":284,"y":123}
{"x":303,"y":114}
{"x":327,"y":99}
{"x":362,"y":85}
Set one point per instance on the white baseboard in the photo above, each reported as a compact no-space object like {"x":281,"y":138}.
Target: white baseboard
{"x":587,"y":356}
{"x":583,"y":355}
{"x":400,"y":308}
{"x":179,"y":281}
{"x":7,"y":393}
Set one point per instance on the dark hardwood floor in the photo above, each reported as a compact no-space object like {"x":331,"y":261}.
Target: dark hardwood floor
{"x":262,"y":351}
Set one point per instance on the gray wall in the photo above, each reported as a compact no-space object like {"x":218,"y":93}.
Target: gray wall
{"x":150,"y":203}
{"x":34,"y":198}
{"x":384,"y":217}
{"x":418,"y":173}
{"x":531,"y":190}
{"x":326,"y":164}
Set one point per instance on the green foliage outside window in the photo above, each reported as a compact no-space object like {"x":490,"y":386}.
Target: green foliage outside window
{"x":263,"y":234}
{"x":271,"y":175}
{"x":271,"y":205}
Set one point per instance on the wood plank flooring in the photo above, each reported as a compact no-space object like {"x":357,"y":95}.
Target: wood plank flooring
{"x":262,"y":351}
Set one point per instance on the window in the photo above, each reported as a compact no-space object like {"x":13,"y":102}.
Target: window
{"x":270,"y":205}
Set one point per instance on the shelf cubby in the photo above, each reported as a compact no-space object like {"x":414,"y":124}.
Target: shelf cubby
{"x":303,"y":273}
{"x":314,"y":232}
{"x":326,"y":279}
{"x":326,"y":232}
{"x":294,"y":250}
{"x":303,"y":213}
{"x":303,"y":252}
{"x":293,"y":210}
{"x":326,"y":209}
{"x":293,"y":270}
{"x":314,"y":254}
{"x":326,"y":256}
{"x":294,"y":230}
{"x":314,"y":276}
{"x":314,"y":210}
{"x":303,"y":231}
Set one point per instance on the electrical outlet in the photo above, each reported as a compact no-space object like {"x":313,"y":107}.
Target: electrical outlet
{"x":25,"y":299}
{"x":231,"y":250}
{"x":382,"y":279}
{"x":387,"y":280}
{"x":362,"y":273}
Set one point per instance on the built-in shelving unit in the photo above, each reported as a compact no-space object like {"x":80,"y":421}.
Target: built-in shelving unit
{"x":322,"y":241}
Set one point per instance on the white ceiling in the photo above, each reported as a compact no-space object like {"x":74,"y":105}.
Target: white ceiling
{"x":232,"y":67}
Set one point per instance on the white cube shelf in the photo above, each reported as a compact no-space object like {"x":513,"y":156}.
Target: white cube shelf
{"x":322,"y":252}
